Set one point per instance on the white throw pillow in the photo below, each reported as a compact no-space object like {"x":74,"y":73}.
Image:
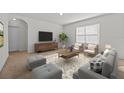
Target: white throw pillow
{"x":105,"y":54}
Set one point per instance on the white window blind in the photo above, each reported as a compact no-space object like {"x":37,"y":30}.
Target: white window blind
{"x":88,"y":34}
{"x":80,"y":35}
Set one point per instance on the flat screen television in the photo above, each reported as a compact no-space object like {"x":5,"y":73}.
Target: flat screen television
{"x":45,"y":36}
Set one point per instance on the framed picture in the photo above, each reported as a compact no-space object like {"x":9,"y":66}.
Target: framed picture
{"x":1,"y":34}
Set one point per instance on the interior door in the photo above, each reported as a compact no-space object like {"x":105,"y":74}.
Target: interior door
{"x":13,"y":38}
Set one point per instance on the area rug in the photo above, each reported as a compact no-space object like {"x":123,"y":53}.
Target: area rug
{"x":69,"y":66}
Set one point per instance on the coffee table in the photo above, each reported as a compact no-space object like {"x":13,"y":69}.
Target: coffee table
{"x":66,"y":54}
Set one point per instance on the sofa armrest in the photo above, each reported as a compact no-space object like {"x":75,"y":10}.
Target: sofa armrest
{"x":75,"y":75}
{"x":88,"y":74}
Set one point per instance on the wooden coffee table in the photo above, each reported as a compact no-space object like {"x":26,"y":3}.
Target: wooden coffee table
{"x":66,"y":54}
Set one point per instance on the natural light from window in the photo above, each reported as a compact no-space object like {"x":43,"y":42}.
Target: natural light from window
{"x":88,"y":34}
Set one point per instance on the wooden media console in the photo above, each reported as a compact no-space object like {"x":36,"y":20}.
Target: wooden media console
{"x":45,"y":46}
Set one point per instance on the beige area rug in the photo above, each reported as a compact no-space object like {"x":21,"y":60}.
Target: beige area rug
{"x":68,"y":66}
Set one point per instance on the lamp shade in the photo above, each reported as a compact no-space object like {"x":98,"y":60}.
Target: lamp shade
{"x":107,"y":46}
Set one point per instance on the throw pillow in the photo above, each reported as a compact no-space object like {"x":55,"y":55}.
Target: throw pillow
{"x":96,"y":64}
{"x":106,"y":52}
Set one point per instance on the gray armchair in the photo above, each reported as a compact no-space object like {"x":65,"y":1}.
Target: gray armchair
{"x":109,"y":69}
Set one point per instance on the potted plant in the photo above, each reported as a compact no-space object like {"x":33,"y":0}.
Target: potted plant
{"x":63,"y":39}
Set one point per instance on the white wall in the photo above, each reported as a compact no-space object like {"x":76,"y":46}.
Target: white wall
{"x":34,"y":26}
{"x":111,"y":31}
{"x":41,"y":26}
{"x":4,"y":49}
{"x":17,"y":33}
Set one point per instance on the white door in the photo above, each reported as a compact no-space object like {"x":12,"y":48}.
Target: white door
{"x":13,"y":38}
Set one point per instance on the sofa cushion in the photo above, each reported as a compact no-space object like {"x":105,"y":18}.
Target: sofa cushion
{"x":85,"y":73}
{"x":47,"y":71}
{"x":76,"y":75}
{"x":35,"y":61}
{"x":112,"y":52}
{"x":34,"y":58}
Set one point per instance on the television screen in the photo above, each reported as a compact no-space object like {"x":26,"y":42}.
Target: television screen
{"x":45,"y":36}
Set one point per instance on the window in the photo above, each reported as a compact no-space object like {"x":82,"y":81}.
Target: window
{"x":80,"y":35}
{"x":88,"y":34}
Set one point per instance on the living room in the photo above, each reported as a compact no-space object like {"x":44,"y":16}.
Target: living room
{"x":70,"y":46}
{"x":29,"y":36}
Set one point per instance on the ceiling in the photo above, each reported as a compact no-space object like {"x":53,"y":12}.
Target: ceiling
{"x":56,"y":18}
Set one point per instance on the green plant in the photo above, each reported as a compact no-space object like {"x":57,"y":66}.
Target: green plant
{"x":63,"y":38}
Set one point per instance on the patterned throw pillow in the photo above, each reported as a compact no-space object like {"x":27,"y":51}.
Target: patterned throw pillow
{"x":96,"y":64}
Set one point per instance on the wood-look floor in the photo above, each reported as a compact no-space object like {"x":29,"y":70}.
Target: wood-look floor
{"x":15,"y":67}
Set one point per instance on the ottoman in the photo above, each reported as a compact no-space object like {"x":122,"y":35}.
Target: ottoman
{"x":47,"y":71}
{"x":35,"y":61}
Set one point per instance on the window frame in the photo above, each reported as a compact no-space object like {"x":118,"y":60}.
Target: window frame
{"x":85,"y":35}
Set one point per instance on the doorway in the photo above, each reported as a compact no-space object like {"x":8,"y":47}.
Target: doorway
{"x":17,"y":35}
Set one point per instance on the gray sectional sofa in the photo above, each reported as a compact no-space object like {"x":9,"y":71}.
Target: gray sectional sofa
{"x":109,"y":68}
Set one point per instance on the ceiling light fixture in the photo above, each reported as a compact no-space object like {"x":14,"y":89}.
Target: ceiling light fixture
{"x":14,"y":19}
{"x":60,"y":14}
